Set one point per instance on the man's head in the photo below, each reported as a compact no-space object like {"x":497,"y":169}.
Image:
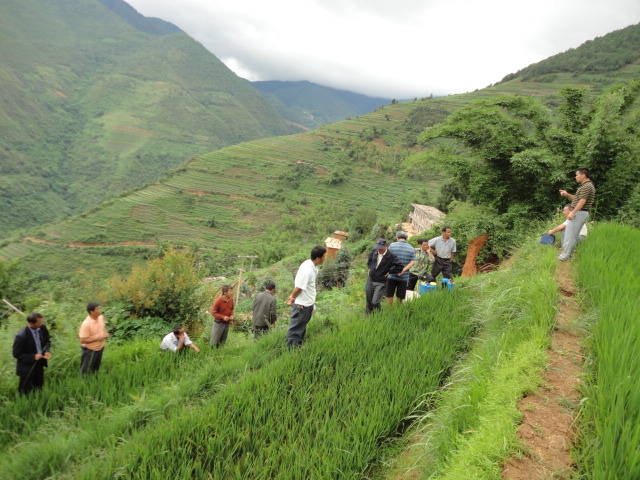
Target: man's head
{"x":424,"y":244}
{"x":227,"y":291}
{"x":566,"y":210}
{"x":317,"y":254}
{"x":582,"y":174}
{"x":178,"y":330}
{"x":270,"y":287}
{"x":381,"y":246}
{"x":94,"y":309}
{"x":402,"y":236}
{"x":34,"y":320}
{"x":446,"y":232}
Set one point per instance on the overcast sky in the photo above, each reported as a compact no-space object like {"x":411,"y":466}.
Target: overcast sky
{"x":390,"y":48}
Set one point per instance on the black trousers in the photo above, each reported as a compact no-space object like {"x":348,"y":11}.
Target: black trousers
{"x":443,"y":265}
{"x":33,"y":380}
{"x":90,"y":360}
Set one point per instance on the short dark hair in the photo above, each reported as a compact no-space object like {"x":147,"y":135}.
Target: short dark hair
{"x":269,"y":286}
{"x":91,"y":306}
{"x":445,"y":228}
{"x":225,"y":288}
{"x":318,"y":252}
{"x":421,"y":241}
{"x":176,"y":329}
{"x":33,"y":317}
{"x":584,"y":171}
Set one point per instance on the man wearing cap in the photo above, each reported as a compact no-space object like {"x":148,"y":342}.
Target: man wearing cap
{"x":445,"y":249}
{"x":397,"y":283}
{"x":380,"y":263}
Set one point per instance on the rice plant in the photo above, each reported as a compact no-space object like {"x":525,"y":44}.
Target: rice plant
{"x":609,"y":271}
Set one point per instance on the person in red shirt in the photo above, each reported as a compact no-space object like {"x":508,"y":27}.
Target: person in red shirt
{"x":222,"y":311}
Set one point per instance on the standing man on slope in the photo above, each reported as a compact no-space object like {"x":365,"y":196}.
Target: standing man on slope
{"x":397,"y":283}
{"x":581,"y":203}
{"x":92,"y":334}
{"x":445,"y":249}
{"x":31,"y":350}
{"x":264,"y":310}
{"x":380,"y":263}
{"x":303,"y":296}
{"x":222,"y":311}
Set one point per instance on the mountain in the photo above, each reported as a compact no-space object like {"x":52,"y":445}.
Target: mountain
{"x":602,"y":55}
{"x":312,"y":105}
{"x":97,"y":99}
{"x":270,"y":197}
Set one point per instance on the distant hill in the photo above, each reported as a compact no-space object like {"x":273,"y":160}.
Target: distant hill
{"x":313,"y":105}
{"x":97,"y":99}
{"x":601,"y":55}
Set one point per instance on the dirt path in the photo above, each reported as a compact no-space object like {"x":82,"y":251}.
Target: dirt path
{"x":547,"y":432}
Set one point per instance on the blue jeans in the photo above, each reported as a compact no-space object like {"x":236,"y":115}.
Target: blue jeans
{"x":300,"y":316}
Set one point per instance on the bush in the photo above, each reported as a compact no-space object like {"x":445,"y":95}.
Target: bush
{"x":167,"y":288}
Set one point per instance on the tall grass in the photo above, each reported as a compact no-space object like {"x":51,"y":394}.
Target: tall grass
{"x":609,"y":272}
{"x":473,"y":428}
{"x":319,"y":412}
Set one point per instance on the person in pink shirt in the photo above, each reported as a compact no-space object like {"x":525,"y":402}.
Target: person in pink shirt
{"x":92,"y":334}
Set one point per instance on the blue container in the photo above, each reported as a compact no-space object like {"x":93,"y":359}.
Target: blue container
{"x":446,"y":283}
{"x":425,"y":287}
{"x":450,"y":286}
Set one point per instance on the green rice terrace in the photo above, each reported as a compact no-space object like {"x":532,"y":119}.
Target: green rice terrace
{"x":426,"y":389}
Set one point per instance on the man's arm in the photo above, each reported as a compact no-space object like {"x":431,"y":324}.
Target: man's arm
{"x":407,"y":267}
{"x":273,"y":313}
{"x":294,"y":295}
{"x":193,"y":347}
{"x":577,"y":208}
{"x":215,"y":309}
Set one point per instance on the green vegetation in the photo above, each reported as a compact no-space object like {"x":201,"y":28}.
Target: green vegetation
{"x":471,"y":430}
{"x":601,"y":55}
{"x":608,"y":271}
{"x":92,"y":105}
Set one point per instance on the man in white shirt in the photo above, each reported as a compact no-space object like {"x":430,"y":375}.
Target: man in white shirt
{"x":562,"y":227}
{"x":177,"y":340}
{"x":303,"y":296}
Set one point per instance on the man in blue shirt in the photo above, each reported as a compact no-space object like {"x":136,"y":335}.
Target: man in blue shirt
{"x":397,"y":283}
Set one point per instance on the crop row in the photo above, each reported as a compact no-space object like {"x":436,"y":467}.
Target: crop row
{"x":609,"y":272}
{"x":319,"y":412}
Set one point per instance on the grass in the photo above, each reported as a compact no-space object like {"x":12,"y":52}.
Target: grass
{"x":471,"y":431}
{"x":608,"y":271}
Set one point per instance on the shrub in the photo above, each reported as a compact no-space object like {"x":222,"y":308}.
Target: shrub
{"x":166,"y":288}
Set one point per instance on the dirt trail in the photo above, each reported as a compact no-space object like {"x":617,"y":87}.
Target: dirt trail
{"x":547,"y":431}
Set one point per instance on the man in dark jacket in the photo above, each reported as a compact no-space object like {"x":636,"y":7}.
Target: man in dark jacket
{"x":381,"y":262}
{"x":31,"y":350}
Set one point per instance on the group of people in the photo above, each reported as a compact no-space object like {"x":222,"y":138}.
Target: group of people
{"x":394,"y":269}
{"x":574,"y":229}
{"x":32,"y":345}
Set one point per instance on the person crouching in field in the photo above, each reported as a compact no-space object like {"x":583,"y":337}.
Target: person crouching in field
{"x":222,"y":311}
{"x":92,"y":334}
{"x":176,"y":340}
{"x":562,"y":227}
{"x":31,"y":350}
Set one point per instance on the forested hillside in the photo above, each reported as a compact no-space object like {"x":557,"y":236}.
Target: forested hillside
{"x":312,"y":105}
{"x":94,"y":102}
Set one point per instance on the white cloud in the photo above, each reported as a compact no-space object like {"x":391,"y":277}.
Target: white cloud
{"x":390,"y":48}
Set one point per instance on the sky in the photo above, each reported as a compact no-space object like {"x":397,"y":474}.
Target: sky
{"x":390,"y":48}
